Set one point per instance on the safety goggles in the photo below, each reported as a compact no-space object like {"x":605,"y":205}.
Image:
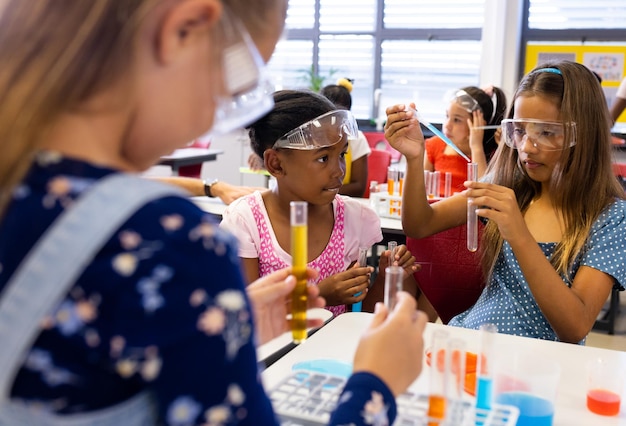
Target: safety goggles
{"x":462,"y":98}
{"x":323,"y":131}
{"x":246,"y":92}
{"x":544,"y":135}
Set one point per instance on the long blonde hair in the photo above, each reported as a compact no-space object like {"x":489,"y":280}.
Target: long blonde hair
{"x":54,"y":58}
{"x":55,"y":55}
{"x":582,"y":184}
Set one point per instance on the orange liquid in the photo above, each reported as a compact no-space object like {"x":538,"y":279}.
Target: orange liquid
{"x":400,"y":185}
{"x":390,"y":186}
{"x":604,"y":402}
{"x":436,"y":409}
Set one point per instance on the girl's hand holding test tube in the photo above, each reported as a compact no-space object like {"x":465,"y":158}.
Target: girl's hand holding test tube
{"x":499,"y":203}
{"x":270,"y":297}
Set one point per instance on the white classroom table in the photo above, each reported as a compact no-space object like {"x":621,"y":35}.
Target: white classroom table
{"x":338,"y":340}
{"x":266,"y":351}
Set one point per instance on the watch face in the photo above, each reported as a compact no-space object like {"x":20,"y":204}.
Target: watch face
{"x":207,"y":187}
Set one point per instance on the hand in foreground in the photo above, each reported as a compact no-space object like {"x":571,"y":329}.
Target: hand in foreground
{"x":342,"y":288}
{"x":403,"y":131}
{"x":270,"y":297}
{"x":393,"y":345}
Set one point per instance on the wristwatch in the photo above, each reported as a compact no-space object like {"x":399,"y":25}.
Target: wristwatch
{"x":207,"y":187}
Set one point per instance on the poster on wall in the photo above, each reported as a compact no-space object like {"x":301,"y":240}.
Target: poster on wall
{"x":607,"y":61}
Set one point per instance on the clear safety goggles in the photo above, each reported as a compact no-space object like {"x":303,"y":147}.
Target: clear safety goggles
{"x":246,"y":92}
{"x":544,"y":135}
{"x":464,"y":99}
{"x":325,"y":130}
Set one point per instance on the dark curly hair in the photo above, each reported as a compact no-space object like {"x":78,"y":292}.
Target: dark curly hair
{"x":291,"y":109}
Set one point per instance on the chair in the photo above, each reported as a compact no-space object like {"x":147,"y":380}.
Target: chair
{"x":451,"y":276}
{"x":376,"y":140}
{"x":377,"y":163}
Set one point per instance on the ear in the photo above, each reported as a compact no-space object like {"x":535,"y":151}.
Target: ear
{"x":185,"y":23}
{"x":273,"y":162}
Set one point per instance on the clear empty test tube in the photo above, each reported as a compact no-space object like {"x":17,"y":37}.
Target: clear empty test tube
{"x":472,"y":218}
{"x":427,"y":181}
{"x":299,"y":256}
{"x":448,"y":185}
{"x":437,"y":397}
{"x":456,"y":380}
{"x":394,"y":275}
{"x":362,"y":261}
{"x":484,"y":371}
{"x":392,"y":246}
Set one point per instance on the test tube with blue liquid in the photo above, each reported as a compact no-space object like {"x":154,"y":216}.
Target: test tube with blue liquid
{"x":299,"y":257}
{"x":484,"y":371}
{"x":362,"y":261}
{"x":472,"y":218}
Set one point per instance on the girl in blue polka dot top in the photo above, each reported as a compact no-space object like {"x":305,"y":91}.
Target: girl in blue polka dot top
{"x":553,"y":246}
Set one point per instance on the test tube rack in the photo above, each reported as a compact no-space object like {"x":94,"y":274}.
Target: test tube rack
{"x":307,"y":398}
{"x":387,"y":205}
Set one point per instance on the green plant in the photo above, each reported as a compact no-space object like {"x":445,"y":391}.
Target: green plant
{"x":315,"y":81}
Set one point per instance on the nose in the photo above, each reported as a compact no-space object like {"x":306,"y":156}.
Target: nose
{"x":527,"y":144}
{"x":447,"y":124}
{"x":340,"y":170}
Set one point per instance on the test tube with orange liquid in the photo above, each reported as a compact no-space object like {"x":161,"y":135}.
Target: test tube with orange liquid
{"x":392,"y":177}
{"x":437,"y":398}
{"x":299,"y":256}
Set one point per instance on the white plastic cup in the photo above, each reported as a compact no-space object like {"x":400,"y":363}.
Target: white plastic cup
{"x":605,"y":386}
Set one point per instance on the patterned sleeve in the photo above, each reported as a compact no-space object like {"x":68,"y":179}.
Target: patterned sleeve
{"x":182,"y":322}
{"x":606,"y":248}
{"x":365,"y":400}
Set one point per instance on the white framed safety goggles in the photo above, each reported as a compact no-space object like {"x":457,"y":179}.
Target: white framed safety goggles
{"x":323,"y":131}
{"x":544,"y":135}
{"x":464,"y":100}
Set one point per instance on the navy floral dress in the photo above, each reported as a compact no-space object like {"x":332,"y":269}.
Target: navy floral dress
{"x":161,"y":307}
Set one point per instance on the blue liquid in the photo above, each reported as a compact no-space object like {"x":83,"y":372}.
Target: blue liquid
{"x":484,"y":389}
{"x":356,"y":307}
{"x":534,"y":411}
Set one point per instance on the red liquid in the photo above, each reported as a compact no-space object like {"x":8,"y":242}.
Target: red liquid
{"x":436,"y":409}
{"x":601,"y":401}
